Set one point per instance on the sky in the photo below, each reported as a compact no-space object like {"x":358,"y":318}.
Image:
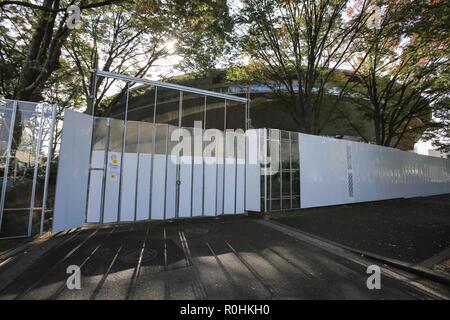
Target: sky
{"x":422,"y":147}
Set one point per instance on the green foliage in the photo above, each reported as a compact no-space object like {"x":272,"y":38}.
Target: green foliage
{"x":14,"y":37}
{"x":121,"y":36}
{"x":296,"y":47}
{"x":439,"y":130}
{"x":402,"y":70}
{"x":203,"y":30}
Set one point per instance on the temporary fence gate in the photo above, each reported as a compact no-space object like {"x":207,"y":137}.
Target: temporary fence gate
{"x":124,"y":170}
{"x":26,"y":141}
{"x":147,"y":181}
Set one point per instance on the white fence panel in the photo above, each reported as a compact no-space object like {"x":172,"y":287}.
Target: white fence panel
{"x":230,"y":175}
{"x":143,"y":187}
{"x":197,"y":191}
{"x":253,"y":171}
{"x":210,"y":186}
{"x":128,"y":186}
{"x":111,"y":205}
{"x":376,"y":172}
{"x":159,"y":186}
{"x":72,"y":180}
{"x":95,"y":187}
{"x":323,"y":171}
{"x":171,"y":186}
{"x":185,"y":186}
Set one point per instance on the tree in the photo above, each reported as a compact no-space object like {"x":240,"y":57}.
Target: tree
{"x":66,"y":92}
{"x":203,"y":32}
{"x":296,"y":48}
{"x":399,"y":74}
{"x":125,"y":37}
{"x":131,"y":38}
{"x":14,"y":37}
{"x":439,"y":132}
{"x":127,"y":40}
{"x":431,"y":26}
{"x":45,"y":37}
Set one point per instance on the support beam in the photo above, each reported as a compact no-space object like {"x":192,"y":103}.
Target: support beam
{"x":169,"y":86}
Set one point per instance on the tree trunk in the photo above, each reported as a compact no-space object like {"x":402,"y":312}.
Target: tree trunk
{"x":43,"y":54}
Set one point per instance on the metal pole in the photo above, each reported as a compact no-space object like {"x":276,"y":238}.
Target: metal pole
{"x":165,"y":177}
{"x":203,"y":159}
{"x":178,"y":181}
{"x":265,"y":146}
{"x":235,"y":169}
{"x":105,"y":169}
{"x":37,"y":157}
{"x":8,"y":156}
{"x":124,"y":137}
{"x":192,"y":169}
{"x":299,"y":176}
{"x":245,"y":117}
{"x":180,"y":109}
{"x":217,"y":172}
{"x":47,"y":170}
{"x":261,"y":172}
{"x":194,"y":130}
{"x":290,"y":167}
{"x":245,"y":172}
{"x":280,"y":167}
{"x":94,"y":91}
{"x":92,"y":99}
{"x":247,"y":103}
{"x":224,"y":155}
{"x":247,"y":126}
{"x":137,"y":170}
{"x":153,"y":156}
{"x":269,"y":145}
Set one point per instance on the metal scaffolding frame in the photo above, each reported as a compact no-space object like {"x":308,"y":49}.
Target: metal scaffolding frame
{"x":47,"y":111}
{"x":129,"y":80}
{"x":177,"y":87}
{"x":273,"y":143}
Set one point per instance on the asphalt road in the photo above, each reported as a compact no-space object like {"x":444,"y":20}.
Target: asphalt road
{"x":223,"y":258}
